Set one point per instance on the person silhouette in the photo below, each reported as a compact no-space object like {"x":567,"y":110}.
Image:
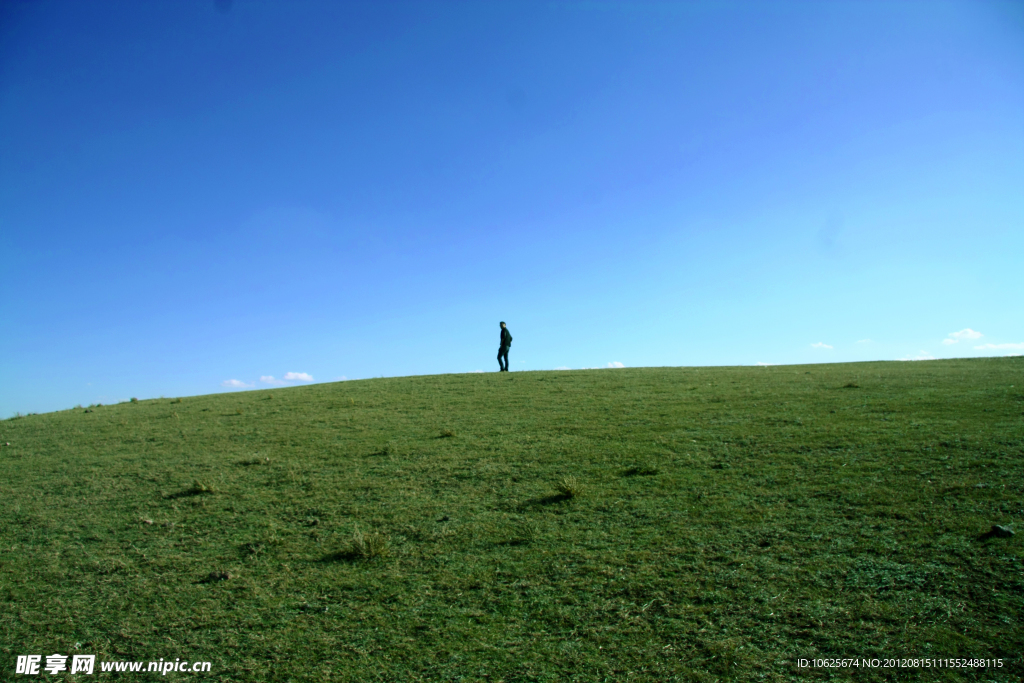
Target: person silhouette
{"x":506,"y":342}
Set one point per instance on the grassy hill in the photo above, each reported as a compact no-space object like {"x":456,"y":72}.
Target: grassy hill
{"x":692,"y":524}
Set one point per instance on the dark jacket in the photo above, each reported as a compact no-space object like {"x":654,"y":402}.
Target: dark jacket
{"x":506,"y":337}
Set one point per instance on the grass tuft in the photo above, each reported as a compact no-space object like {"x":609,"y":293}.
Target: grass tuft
{"x":446,"y":434}
{"x":367,"y":546}
{"x":523,"y":532}
{"x":570,"y":487}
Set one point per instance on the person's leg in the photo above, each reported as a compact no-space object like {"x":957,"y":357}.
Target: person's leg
{"x":503,"y":355}
{"x":501,"y":367}
{"x":506,"y":359}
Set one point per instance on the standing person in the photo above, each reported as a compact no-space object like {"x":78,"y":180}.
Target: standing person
{"x":506,"y":341}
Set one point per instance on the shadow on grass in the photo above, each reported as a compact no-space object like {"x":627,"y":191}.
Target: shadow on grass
{"x":996,"y":532}
{"x":194,"y":490}
{"x":638,"y":471}
{"x":342,"y":556}
{"x":546,"y":500}
{"x":215,"y":577}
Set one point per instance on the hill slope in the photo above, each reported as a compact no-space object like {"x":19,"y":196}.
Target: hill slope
{"x":716,"y":524}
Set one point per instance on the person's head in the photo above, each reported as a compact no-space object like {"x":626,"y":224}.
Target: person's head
{"x":502,"y":324}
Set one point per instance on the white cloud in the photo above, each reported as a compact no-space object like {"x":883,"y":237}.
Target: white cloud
{"x":562,"y":367}
{"x":1015,"y":347}
{"x":340,"y":379}
{"x":864,"y":341}
{"x":235,"y":384}
{"x":764,"y":364}
{"x":288,"y":377}
{"x":820,"y":345}
{"x":966,"y":333}
{"x":921,"y":355}
{"x":476,"y":371}
{"x":616,"y":364}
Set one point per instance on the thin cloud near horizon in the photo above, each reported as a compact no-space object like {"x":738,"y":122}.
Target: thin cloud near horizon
{"x":288,"y":377}
{"x":921,"y":355}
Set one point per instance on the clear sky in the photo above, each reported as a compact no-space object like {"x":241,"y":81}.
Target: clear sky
{"x":210,"y":196}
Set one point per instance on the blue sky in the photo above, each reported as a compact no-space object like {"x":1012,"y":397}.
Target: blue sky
{"x":195,"y":195}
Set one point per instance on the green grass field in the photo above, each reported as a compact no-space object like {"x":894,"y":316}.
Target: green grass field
{"x":664,"y":524}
